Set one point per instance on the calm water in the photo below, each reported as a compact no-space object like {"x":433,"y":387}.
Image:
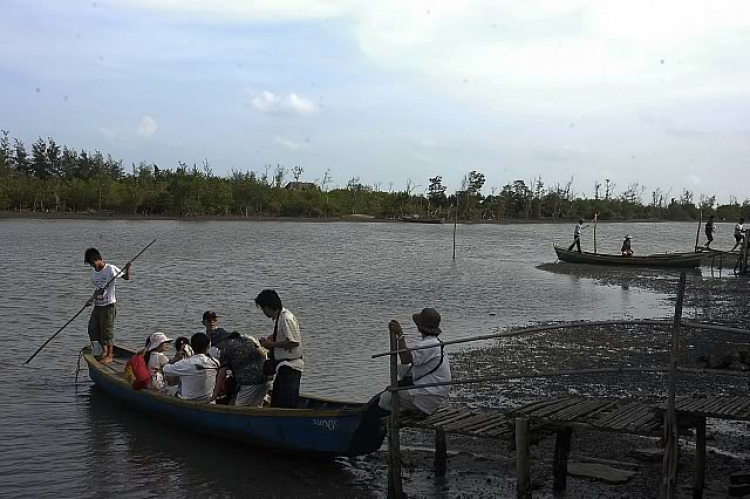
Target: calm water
{"x":344,"y":281}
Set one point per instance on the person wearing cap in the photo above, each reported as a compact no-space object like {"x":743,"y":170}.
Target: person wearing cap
{"x":285,"y":346}
{"x":211,"y":323}
{"x":427,"y":365}
{"x":246,"y":363}
{"x":627,"y":251}
{"x":156,"y":359}
{"x":196,"y":373}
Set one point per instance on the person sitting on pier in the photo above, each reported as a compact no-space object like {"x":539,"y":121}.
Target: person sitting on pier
{"x":428,"y":365}
{"x":197,"y":373}
{"x":577,"y":236}
{"x":739,"y":233}
{"x":627,"y":251}
{"x":710,"y":230}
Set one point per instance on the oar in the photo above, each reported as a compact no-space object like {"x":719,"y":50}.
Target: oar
{"x":85,"y":306}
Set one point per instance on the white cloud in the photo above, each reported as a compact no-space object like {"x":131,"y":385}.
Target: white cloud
{"x":694,"y":179}
{"x":288,"y":144}
{"x":146,"y":127}
{"x":268,"y":102}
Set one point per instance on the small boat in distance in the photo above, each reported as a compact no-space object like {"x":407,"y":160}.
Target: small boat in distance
{"x":422,"y":220}
{"x":320,"y":427}
{"x":676,"y":260}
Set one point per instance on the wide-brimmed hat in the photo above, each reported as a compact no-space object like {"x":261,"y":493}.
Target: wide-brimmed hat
{"x":627,"y":236}
{"x":157,"y":339}
{"x":428,"y":321}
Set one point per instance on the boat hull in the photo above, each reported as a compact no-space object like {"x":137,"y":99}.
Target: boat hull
{"x":336,"y":429}
{"x":668,"y":260}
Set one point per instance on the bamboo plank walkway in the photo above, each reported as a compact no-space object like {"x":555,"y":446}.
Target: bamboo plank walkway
{"x":721,"y":407}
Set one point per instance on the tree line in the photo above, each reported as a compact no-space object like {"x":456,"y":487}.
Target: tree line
{"x":55,"y":178}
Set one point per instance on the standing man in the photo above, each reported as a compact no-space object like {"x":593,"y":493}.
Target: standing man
{"x":211,"y":323}
{"x":577,"y":236}
{"x":739,"y":233}
{"x":286,"y":349}
{"x":102,"y":321}
{"x":710,"y":230}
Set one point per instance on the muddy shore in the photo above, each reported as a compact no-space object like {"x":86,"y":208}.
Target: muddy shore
{"x":479,"y":468}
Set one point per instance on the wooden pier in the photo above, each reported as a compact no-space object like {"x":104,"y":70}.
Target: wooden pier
{"x":675,"y":417}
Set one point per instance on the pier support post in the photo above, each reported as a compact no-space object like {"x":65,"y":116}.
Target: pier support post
{"x":441,"y":453}
{"x":560,"y":460}
{"x":395,"y":486}
{"x":523,"y":459}
{"x":700,"y":459}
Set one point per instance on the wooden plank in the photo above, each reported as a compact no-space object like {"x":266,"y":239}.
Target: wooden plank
{"x":461,"y":423}
{"x":551,"y":409}
{"x":481,"y":424}
{"x":498,"y":422}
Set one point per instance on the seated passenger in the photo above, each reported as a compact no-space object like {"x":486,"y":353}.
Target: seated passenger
{"x":197,"y":373}
{"x":246,"y":363}
{"x":156,"y":359}
{"x":211,"y":323}
{"x":429,"y":365}
{"x":183,"y":350}
{"x":136,"y":370}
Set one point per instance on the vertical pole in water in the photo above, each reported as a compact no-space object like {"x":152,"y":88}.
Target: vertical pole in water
{"x":455,"y":225}
{"x":698,"y":232}
{"x":669,"y":464}
{"x":395,"y":489}
{"x":743,"y":258}
{"x":523,"y":459}
{"x":596,"y":215}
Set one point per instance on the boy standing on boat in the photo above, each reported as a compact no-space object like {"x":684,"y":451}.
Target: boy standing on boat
{"x":710,"y":230}
{"x":285,"y":346}
{"x":102,"y":321}
{"x":577,"y":236}
{"x":739,"y":233}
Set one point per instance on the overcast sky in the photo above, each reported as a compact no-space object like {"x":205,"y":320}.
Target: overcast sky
{"x":655,"y":92}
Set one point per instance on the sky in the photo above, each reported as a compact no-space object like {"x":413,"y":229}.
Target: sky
{"x":390,"y":91}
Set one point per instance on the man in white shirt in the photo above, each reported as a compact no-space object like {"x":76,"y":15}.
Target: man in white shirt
{"x":285,"y":346}
{"x":197,"y":373}
{"x":102,"y":320}
{"x":577,"y":236}
{"x":428,"y":365}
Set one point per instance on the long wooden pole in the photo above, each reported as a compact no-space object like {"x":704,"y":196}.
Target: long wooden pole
{"x":669,"y":464}
{"x":395,"y":487}
{"x":698,"y":232}
{"x":596,"y":216}
{"x":85,"y":306}
{"x":455,"y":227}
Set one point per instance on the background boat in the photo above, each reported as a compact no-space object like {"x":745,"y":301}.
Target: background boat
{"x":677,"y":260}
{"x":422,"y":220}
{"x":319,"y":427}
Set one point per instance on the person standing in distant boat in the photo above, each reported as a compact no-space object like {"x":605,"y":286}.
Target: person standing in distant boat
{"x":710,"y":230}
{"x":739,"y":233}
{"x":626,"y":249}
{"x":577,"y":236}
{"x":102,"y":321}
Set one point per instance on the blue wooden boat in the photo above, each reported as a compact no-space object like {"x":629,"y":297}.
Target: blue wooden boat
{"x":319,"y":427}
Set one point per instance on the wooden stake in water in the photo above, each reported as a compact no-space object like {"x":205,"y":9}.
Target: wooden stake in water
{"x":698,"y":232}
{"x":455,"y":225}
{"x":596,"y":216}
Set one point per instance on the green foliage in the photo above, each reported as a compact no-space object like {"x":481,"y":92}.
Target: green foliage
{"x":55,"y":178}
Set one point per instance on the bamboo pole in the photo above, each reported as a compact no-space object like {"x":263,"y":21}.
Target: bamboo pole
{"x":395,"y":486}
{"x":700,"y":459}
{"x":698,"y":232}
{"x":669,"y":464}
{"x":596,"y":216}
{"x":523,"y":459}
{"x":713,"y":327}
{"x":455,"y":228}
{"x":743,"y":258}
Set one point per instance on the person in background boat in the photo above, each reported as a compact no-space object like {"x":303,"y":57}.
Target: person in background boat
{"x":285,"y":346}
{"x":211,"y":323}
{"x":577,"y":236}
{"x":101,"y":326}
{"x":156,"y":359}
{"x":183,"y":349}
{"x":197,"y":373}
{"x":246,"y":363}
{"x":428,"y":365}
{"x":710,"y":230}
{"x":626,"y":249}
{"x":739,"y":233}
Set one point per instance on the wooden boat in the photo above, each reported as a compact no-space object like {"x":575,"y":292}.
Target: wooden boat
{"x":420,"y":220}
{"x":319,"y":427}
{"x":678,"y":260}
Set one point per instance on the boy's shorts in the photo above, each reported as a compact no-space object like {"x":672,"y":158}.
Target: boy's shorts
{"x":102,"y":324}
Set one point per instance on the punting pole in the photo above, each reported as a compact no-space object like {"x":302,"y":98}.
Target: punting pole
{"x":85,"y":306}
{"x":455,"y":226}
{"x":698,"y":232}
{"x":395,"y":486}
{"x":596,"y":216}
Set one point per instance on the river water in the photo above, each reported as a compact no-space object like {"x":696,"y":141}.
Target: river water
{"x":344,"y":281}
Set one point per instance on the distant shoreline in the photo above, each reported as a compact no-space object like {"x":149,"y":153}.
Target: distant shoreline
{"x":237,"y":218}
